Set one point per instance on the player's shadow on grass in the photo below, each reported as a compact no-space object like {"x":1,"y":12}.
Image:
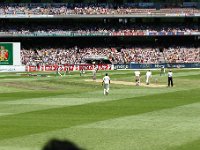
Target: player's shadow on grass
{"x":56,"y":144}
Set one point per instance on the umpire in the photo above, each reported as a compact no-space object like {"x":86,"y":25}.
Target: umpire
{"x":170,"y":79}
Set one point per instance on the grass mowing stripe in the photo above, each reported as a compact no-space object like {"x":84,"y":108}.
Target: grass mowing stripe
{"x":191,"y":77}
{"x":4,"y":114}
{"x":167,"y":119}
{"x":28,"y":95}
{"x":158,"y":127}
{"x":15,"y":147}
{"x":76,"y":115}
{"x":35,"y":104}
{"x":194,"y":145}
{"x":6,"y":109}
{"x":5,"y":89}
{"x":38,"y":125}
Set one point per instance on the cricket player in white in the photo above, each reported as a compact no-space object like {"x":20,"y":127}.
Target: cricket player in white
{"x":137,"y":77}
{"x":106,"y":83}
{"x":59,"y":70}
{"x":94,"y":71}
{"x":148,"y":76}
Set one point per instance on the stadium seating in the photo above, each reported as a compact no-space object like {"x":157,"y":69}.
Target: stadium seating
{"x":62,"y":56}
{"x":87,"y":9}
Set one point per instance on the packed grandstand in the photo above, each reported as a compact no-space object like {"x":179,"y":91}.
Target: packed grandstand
{"x":129,"y":32}
{"x":60,"y":56}
{"x":106,"y":29}
{"x":92,"y":9}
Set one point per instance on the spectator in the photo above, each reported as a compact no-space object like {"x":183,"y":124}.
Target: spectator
{"x":147,"y":55}
{"x":88,"y":9}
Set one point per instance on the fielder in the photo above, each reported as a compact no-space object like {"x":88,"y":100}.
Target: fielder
{"x":137,"y":78}
{"x":59,"y":69}
{"x":94,"y":72}
{"x":162,"y":70}
{"x":148,"y":76}
{"x":66,"y":71}
{"x":82,"y":72}
{"x":106,"y":83}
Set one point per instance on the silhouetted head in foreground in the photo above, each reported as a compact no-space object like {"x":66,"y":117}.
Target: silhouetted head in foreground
{"x":56,"y":144}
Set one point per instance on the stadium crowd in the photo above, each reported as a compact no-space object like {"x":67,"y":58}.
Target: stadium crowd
{"x":63,"y":56}
{"x":88,"y":9}
{"x":182,"y":54}
{"x":103,"y":29}
{"x":75,"y":55}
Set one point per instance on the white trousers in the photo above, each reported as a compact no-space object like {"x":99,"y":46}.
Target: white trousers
{"x":106,"y":89}
{"x":147,"y":79}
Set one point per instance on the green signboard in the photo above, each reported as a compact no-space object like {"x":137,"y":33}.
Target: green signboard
{"x":6,"y":54}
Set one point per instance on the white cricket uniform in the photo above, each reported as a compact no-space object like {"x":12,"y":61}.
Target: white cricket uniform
{"x":94,"y":71}
{"x":106,"y":81}
{"x":148,"y":75}
{"x":137,"y":73}
{"x":137,"y":77}
{"x":59,"y":70}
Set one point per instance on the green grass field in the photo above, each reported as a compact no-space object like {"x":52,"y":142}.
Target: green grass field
{"x":35,"y":109}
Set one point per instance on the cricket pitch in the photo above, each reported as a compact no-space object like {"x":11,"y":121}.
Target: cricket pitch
{"x":128,"y":83}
